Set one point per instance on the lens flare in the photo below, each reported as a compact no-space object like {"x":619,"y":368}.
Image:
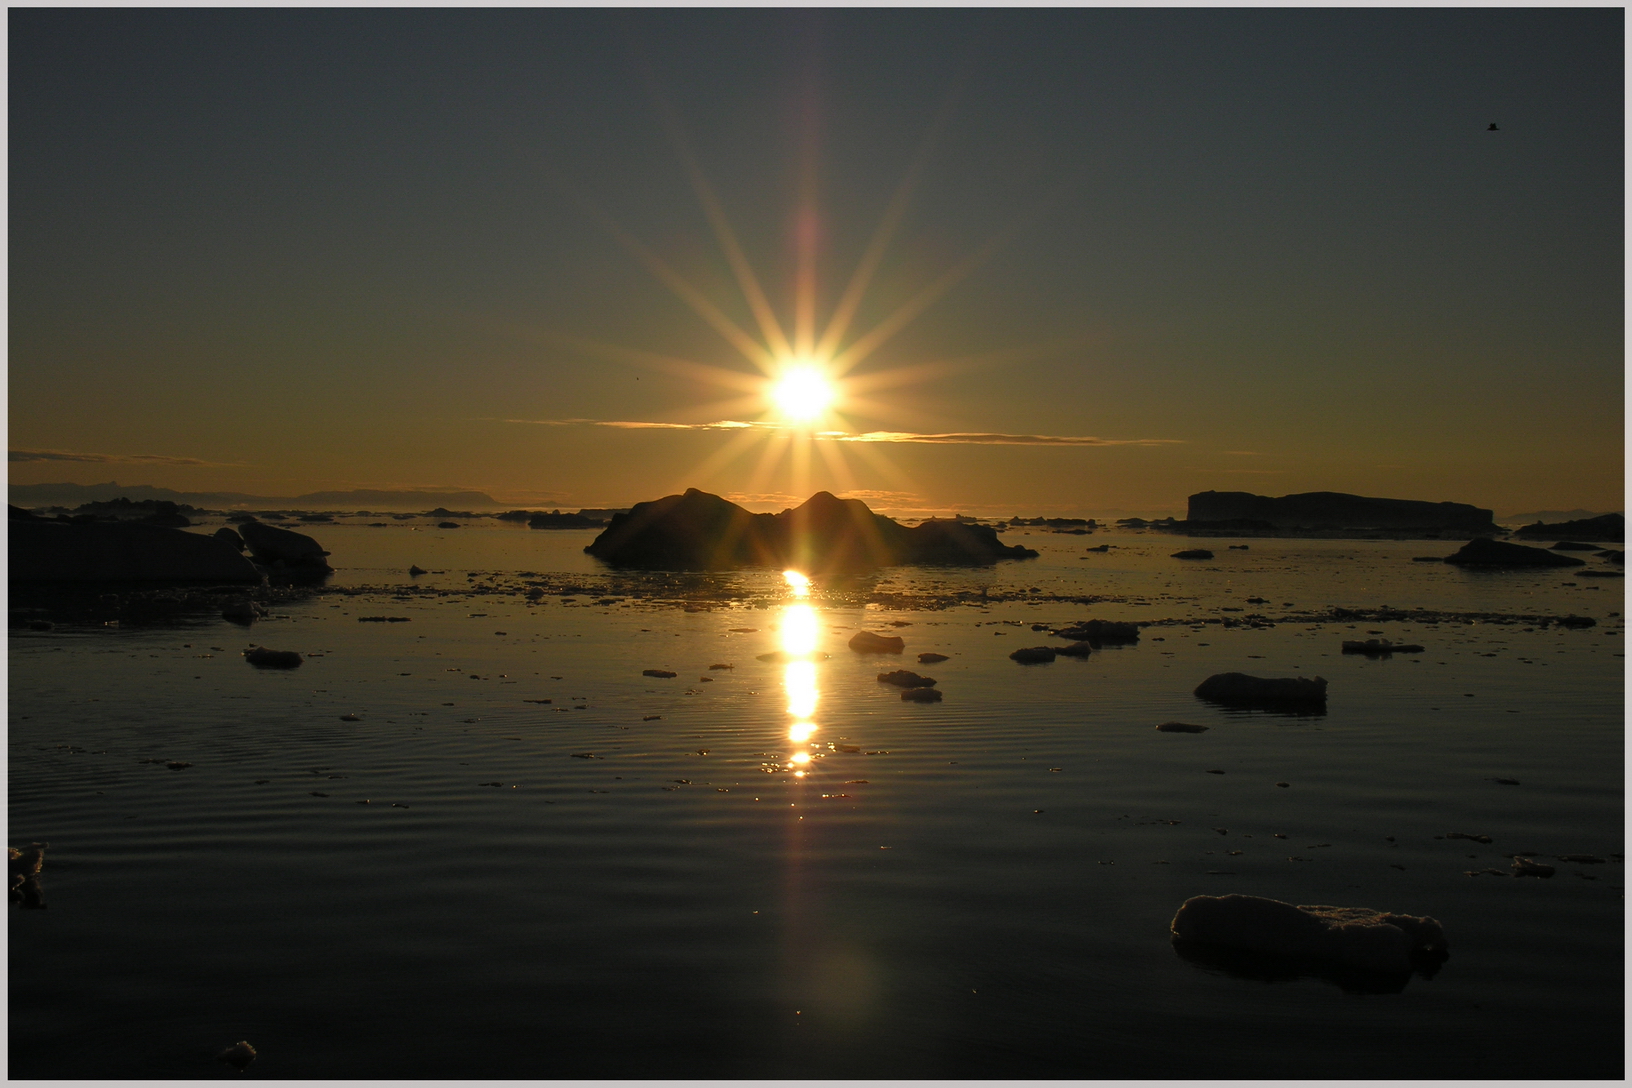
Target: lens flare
{"x":799,"y":583}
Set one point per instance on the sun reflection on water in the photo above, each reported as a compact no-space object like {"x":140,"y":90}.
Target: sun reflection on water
{"x":798,"y":635}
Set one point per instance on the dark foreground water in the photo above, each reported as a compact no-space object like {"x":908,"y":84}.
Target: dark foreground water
{"x":652,"y":877}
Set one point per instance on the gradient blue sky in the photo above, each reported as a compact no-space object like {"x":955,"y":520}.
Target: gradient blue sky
{"x":1265,"y":250}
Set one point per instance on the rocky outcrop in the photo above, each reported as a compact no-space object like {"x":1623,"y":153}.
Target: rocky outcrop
{"x":1355,"y":936}
{"x":1379,"y":647}
{"x":1239,"y":689}
{"x":559,"y":520}
{"x":1335,"y":510}
{"x":262,"y":658}
{"x":1100,"y":632}
{"x":1610,"y":527}
{"x":1500,"y":553}
{"x":284,"y":550}
{"x":1033,"y":655}
{"x":58,"y":551}
{"x":866,"y":642}
{"x":699,"y":531}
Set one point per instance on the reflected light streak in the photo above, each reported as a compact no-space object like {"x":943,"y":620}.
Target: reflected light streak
{"x":798,"y":636}
{"x":799,"y":629}
{"x":799,"y":679}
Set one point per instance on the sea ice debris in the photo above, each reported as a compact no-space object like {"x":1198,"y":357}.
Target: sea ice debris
{"x":1358,"y":936}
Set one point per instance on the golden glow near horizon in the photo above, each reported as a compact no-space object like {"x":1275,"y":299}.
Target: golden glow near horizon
{"x":798,"y":636}
{"x":802,"y":393}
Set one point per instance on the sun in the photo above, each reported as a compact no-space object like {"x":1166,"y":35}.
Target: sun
{"x":802,"y":393}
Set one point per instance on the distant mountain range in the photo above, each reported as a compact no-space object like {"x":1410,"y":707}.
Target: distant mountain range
{"x":31,"y":495}
{"x":1551,"y":516}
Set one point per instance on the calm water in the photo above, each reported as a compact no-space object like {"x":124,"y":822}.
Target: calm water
{"x":649,"y":877}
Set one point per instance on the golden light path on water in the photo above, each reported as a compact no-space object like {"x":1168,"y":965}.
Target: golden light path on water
{"x":798,"y":637}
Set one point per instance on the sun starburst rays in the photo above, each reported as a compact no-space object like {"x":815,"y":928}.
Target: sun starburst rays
{"x":807,"y":381}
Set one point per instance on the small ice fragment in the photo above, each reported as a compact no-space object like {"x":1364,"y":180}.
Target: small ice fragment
{"x":238,"y":1055}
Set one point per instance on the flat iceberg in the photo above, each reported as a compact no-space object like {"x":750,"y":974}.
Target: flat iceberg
{"x":1354,"y":936}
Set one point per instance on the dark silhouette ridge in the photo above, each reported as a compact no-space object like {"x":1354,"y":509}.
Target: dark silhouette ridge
{"x":45,"y":550}
{"x":1499,"y":553}
{"x":699,"y":531}
{"x":1336,"y":510}
{"x":1606,"y":527}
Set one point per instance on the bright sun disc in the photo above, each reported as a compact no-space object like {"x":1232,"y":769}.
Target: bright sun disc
{"x":802,"y":394}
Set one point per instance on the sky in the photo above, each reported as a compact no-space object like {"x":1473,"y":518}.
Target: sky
{"x":1082,"y":261}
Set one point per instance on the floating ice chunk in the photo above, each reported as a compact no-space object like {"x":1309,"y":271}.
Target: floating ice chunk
{"x":1356,"y":936}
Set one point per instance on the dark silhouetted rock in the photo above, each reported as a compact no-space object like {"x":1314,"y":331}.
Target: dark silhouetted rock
{"x":867,"y":642}
{"x":1427,"y":559}
{"x":1378,"y":647}
{"x":921,"y":695}
{"x":930,"y":659}
{"x":1606,"y":527}
{"x":447,"y":525}
{"x":1335,"y":510}
{"x":661,"y":674}
{"x":1180,"y":727}
{"x":1193,"y":553}
{"x":416,"y":570}
{"x":1100,"y":632}
{"x":901,"y":678}
{"x":1574,"y":546}
{"x":1239,"y":689}
{"x":274,"y":547}
{"x":699,"y":531}
{"x":563,"y":521}
{"x":1033,"y":655}
{"x":1356,"y":936}
{"x":262,"y":658}
{"x":24,"y":867}
{"x":242,"y":612}
{"x":59,"y":551}
{"x":230,"y":537}
{"x":1526,"y":867}
{"x":238,"y":1055}
{"x":1612,"y":555}
{"x":781,"y":657}
{"x":160,"y":512}
{"x":1500,"y":553}
{"x":1076,"y":649}
{"x":1101,"y":548}
{"x":1576,"y":621}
